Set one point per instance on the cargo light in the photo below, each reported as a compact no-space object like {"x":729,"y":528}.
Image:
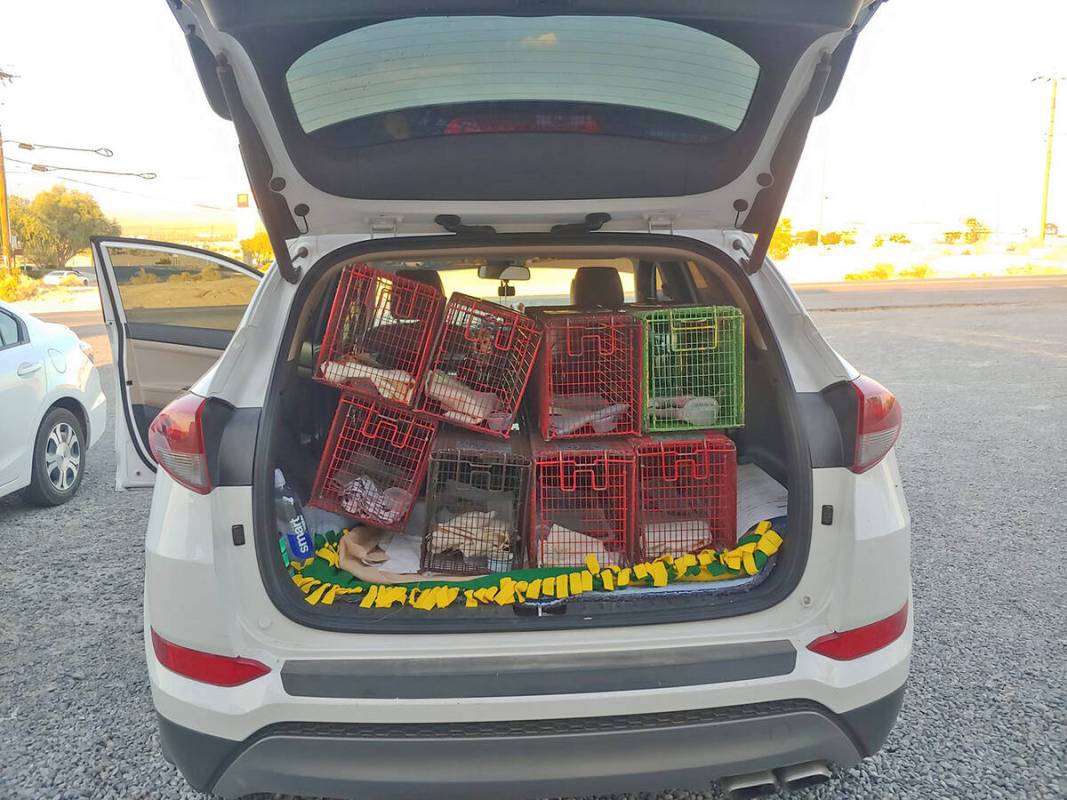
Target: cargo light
{"x":176,"y":439}
{"x":848,"y":645}
{"x":206,"y":667}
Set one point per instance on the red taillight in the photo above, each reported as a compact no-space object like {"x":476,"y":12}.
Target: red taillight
{"x":206,"y":667}
{"x":878,"y":421}
{"x":176,"y":439}
{"x":857,"y":642}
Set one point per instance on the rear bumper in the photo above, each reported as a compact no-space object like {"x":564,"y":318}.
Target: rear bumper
{"x":544,"y":758}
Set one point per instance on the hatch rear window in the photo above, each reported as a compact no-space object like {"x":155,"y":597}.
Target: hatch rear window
{"x":462,"y":75}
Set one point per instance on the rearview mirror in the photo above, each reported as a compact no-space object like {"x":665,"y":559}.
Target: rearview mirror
{"x":503,"y":272}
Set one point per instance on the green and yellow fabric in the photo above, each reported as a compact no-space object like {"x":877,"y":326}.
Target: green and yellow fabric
{"x":323,"y":581}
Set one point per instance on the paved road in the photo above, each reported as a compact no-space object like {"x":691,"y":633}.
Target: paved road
{"x":853,"y":295}
{"x":984,"y":390}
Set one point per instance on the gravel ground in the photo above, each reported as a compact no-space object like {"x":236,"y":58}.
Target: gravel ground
{"x":984,"y":392}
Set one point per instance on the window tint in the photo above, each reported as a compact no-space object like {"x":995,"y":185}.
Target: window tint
{"x":557,"y":73}
{"x":170,"y":288}
{"x":9,"y":330}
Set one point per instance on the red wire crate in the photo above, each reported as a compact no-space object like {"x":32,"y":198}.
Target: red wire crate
{"x":482,"y":363}
{"x":686,"y":495}
{"x":373,"y":463}
{"x":588,"y":379}
{"x":583,"y":504}
{"x":380,"y":334}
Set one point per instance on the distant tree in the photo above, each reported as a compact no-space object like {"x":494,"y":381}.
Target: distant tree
{"x":782,"y":240}
{"x":808,"y":237}
{"x":57,"y":224}
{"x":953,"y":237}
{"x":976,"y":231}
{"x":257,"y":251}
{"x":879,"y":241}
{"x":899,"y":238}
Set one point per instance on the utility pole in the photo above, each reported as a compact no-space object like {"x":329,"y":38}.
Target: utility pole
{"x":5,"y":220}
{"x":1048,"y":158}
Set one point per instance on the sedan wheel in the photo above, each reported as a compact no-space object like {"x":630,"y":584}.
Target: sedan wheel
{"x":58,"y":459}
{"x":62,"y":456}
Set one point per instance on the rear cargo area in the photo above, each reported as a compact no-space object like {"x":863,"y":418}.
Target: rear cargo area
{"x":525,"y":435}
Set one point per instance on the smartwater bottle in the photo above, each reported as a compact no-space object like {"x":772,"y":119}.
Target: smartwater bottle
{"x":290,"y":518}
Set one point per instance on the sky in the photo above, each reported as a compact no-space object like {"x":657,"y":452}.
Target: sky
{"x":937,"y":118}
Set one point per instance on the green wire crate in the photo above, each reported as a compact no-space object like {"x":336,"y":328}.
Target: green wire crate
{"x":690,"y":355}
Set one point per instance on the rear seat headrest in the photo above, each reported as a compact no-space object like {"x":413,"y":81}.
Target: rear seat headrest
{"x":597,"y":287}
{"x":430,"y":277}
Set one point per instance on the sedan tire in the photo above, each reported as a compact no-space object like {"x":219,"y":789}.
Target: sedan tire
{"x":58,"y":459}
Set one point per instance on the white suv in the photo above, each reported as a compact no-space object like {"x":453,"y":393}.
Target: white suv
{"x":657,"y":138}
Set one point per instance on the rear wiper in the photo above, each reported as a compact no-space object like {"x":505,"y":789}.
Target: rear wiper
{"x":453,"y":224}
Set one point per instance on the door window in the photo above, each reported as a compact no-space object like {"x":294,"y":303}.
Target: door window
{"x":10,"y":330}
{"x":167,"y":287}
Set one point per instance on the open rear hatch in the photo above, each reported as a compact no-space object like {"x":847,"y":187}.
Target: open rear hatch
{"x":522,"y":127}
{"x":674,"y":114}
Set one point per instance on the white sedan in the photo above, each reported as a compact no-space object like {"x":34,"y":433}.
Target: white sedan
{"x":58,"y":276}
{"x":52,"y":409}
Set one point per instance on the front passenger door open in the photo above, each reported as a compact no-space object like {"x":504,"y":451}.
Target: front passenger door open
{"x":170,"y":311}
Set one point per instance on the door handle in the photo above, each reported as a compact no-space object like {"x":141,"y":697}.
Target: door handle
{"x":27,"y":368}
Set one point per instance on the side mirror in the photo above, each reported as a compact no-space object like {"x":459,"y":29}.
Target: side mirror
{"x":502,"y":272}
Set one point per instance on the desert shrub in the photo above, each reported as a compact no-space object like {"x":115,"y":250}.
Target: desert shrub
{"x":917,"y":271}
{"x":880,"y":272}
{"x":1036,"y":269}
{"x":141,"y":277}
{"x":210,"y":273}
{"x":181,"y":277}
{"x":71,"y":280}
{"x":15,"y":286}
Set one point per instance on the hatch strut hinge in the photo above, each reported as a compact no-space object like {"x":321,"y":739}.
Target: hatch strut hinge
{"x":384,"y":226}
{"x":592,"y":222}
{"x":453,"y":224}
{"x":767,"y":206}
{"x":661,"y":225}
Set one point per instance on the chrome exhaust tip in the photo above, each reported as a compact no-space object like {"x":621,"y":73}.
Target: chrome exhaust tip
{"x":752,"y":784}
{"x":801,"y":776}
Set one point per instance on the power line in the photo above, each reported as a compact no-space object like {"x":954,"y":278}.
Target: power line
{"x":148,"y":176}
{"x":105,"y":152}
{"x":65,"y":179}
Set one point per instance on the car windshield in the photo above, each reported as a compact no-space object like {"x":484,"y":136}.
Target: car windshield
{"x":435,"y":76}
